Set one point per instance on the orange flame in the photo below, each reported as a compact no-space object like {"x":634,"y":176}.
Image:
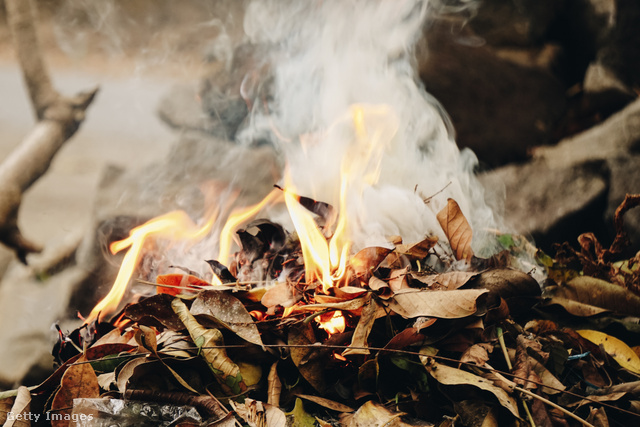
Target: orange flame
{"x":174,"y":225}
{"x":334,"y":324}
{"x":360,"y":168}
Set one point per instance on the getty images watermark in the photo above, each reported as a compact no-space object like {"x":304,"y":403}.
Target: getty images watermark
{"x":48,"y":416}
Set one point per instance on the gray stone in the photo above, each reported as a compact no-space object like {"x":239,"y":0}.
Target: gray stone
{"x":552,"y":204}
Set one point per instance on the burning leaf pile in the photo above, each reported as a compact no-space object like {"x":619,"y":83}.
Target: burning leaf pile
{"x":393,"y":340}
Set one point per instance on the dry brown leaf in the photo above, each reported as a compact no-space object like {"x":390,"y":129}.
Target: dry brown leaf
{"x":451,"y":376}
{"x":259,"y":414}
{"x":127,"y":372}
{"x":398,"y":279}
{"x":373,"y":414}
{"x":20,"y":411}
{"x":312,"y":369}
{"x":363,"y":328}
{"x":411,"y":303}
{"x":524,"y":374}
{"x":417,"y":251}
{"x":367,"y":260}
{"x":274,"y":388}
{"x":477,"y":353}
{"x":598,"y":293}
{"x":79,"y":381}
{"x":330,"y":404}
{"x":228,"y":309}
{"x":457,"y":229}
{"x":444,"y":281}
{"x":282,"y":294}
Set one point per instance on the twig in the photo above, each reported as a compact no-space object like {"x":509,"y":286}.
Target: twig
{"x":554,"y":405}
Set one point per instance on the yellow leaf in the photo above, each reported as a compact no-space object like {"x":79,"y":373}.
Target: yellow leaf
{"x":617,"y":349}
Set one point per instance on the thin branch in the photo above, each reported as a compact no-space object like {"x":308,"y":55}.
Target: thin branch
{"x":554,"y":405}
{"x":58,"y":119}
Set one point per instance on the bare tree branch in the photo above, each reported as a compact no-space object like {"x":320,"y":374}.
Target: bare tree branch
{"x":58,"y":119}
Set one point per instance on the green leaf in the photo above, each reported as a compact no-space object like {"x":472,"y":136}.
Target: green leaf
{"x":210,"y":342}
{"x":299,"y":417}
{"x":506,"y":240}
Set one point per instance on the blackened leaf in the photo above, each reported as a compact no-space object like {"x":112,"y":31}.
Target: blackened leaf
{"x":322,"y":209}
{"x":311,"y":368}
{"x":221,"y":271}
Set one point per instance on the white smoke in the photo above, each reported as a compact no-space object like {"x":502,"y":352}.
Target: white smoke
{"x":326,"y":56}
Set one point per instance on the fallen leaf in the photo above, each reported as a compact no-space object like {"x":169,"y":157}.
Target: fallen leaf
{"x":154,"y":309}
{"x":444,"y":281}
{"x":274,"y":385}
{"x":599,"y":293}
{"x":417,"y":251}
{"x":398,"y":279}
{"x":210,"y":343}
{"x":78,"y":382}
{"x":477,"y":353}
{"x":367,"y":260}
{"x":457,"y":229}
{"x":259,"y":414}
{"x":146,"y":338}
{"x":127,"y":372}
{"x":326,"y":403}
{"x":372,"y":414}
{"x":363,"y":328}
{"x":282,"y":294}
{"x":229,"y":310}
{"x":20,"y":410}
{"x":312,"y":369}
{"x":451,"y":376}
{"x":456,"y":304}
{"x":300,"y":418}
{"x":617,"y":349}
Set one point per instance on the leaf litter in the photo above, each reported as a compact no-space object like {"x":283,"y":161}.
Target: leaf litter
{"x":422,"y":343}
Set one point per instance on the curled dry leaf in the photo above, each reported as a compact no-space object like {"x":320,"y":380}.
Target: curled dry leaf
{"x":227,"y":373}
{"x":282,"y":294}
{"x":363,"y":328}
{"x":457,"y":229}
{"x":477,"y":353}
{"x":312,"y":369}
{"x":367,"y":260}
{"x":451,"y":376}
{"x":274,"y":387}
{"x":259,"y":414}
{"x":411,"y":303}
{"x":227,"y":308}
{"x":127,"y":372}
{"x":20,"y":410}
{"x":78,"y":382}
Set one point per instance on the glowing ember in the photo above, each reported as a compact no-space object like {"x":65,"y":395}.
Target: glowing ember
{"x":334,"y":324}
{"x":174,"y":225}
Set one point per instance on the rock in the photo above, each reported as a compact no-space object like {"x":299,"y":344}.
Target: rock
{"x":552,"y":204}
{"x":499,"y":109}
{"x":625,"y":178}
{"x":617,"y":136}
{"x":621,"y":50}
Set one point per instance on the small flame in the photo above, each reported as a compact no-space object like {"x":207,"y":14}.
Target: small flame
{"x":334,"y":324}
{"x":174,"y":225}
{"x":360,"y":169}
